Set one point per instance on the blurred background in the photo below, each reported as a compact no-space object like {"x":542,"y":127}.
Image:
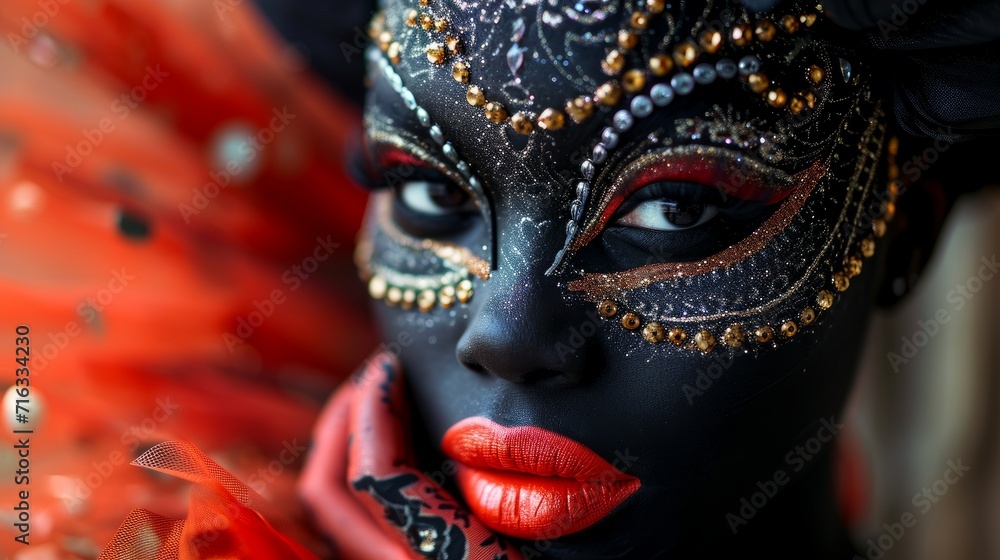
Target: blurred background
{"x":177,"y":228}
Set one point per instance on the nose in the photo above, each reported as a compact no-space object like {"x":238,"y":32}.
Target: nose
{"x":525,"y":332}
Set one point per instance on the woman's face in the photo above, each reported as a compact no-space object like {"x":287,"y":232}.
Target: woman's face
{"x":690,"y":315}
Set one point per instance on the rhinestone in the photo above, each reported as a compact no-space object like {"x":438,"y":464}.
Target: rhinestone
{"x":608,"y":94}
{"x":633,"y":81}
{"x":704,"y":341}
{"x":450,"y":151}
{"x":776,"y":98}
{"x":639,"y":20}
{"x":441,"y":25}
{"x":411,"y":17}
{"x":662,"y":95}
{"x":495,"y":112}
{"x":582,"y":190}
{"x":733,"y":336}
{"x":408,"y":99}
{"x":613,"y":63}
{"x":580,"y":109}
{"x":627,"y":39}
{"x":686,"y":53}
{"x":631,"y":321}
{"x":796,"y":105}
{"x":463,"y":168}
{"x":409,"y":298}
{"x":790,"y":24}
{"x":677,"y":336}
{"x":758,"y":82}
{"x":394,"y":51}
{"x":845,"y":70}
{"x":824,"y":299}
{"x":726,"y":68}
{"x":454,"y":45}
{"x":423,"y":117}
{"x":575,"y":210}
{"x":868,"y":247}
{"x":622,"y":121}
{"x":607,"y":309}
{"x":460,"y":72}
{"x":587,"y":168}
{"x":741,"y":35}
{"x":474,"y":183}
{"x":426,"y":300}
{"x":710,"y":40}
{"x":464,"y":291}
{"x":641,"y":107}
{"x":704,"y":74}
{"x":764,"y":334}
{"x":475,"y":96}
{"x":682,"y":83}
{"x":609,"y":138}
{"x":600,"y":154}
{"x":437,"y":135}
{"x":515,"y":58}
{"x":522,"y":123}
{"x":852,"y":267}
{"x":447,"y":296}
{"x":655,"y":6}
{"x":789,"y":328}
{"x":765,"y":30}
{"x":815,"y":74}
{"x":810,"y":99}
{"x":426,"y":21}
{"x":551,"y":119}
{"x":660,"y":65}
{"x":393,"y":296}
{"x":435,"y":53}
{"x":878,"y":226}
{"x":749,"y":64}
{"x":654,"y":333}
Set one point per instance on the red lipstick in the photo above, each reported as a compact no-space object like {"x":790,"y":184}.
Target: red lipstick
{"x":531,"y":483}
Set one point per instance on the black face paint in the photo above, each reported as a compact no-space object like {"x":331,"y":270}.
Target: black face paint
{"x":576,"y":283}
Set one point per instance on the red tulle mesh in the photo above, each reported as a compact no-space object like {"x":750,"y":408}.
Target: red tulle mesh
{"x":226,"y":518}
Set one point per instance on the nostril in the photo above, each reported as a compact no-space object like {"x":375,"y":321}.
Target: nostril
{"x":474,"y":367}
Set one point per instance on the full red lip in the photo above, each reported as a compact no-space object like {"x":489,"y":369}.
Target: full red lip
{"x":531,"y":483}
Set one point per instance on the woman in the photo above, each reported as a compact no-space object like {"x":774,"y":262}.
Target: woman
{"x":623,"y":256}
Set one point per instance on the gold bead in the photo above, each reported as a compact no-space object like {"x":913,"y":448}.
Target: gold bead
{"x":426,"y":300}
{"x":453,"y":44}
{"x":411,"y":17}
{"x":742,"y":36}
{"x":878,"y":226}
{"x":796,"y":105}
{"x":764,"y":334}
{"x":409,"y":298}
{"x":765,"y":30}
{"x":447,"y":296}
{"x":710,"y":41}
{"x":852,"y":266}
{"x":824,"y":299}
{"x":655,"y":6}
{"x":495,"y":112}
{"x":889,"y":211}
{"x":580,"y":109}
{"x":475,"y":96}
{"x":551,"y":119}
{"x":776,"y":98}
{"x":733,"y":336}
{"x":460,"y":71}
{"x":394,"y":296}
{"x":522,"y":122}
{"x":677,"y":336}
{"x":377,"y":287}
{"x":441,"y":24}
{"x":758,"y":82}
{"x":394,"y":51}
{"x":810,"y":99}
{"x":426,"y":21}
{"x":704,"y":341}
{"x":893,"y":146}
{"x":607,"y":309}
{"x":654,"y":333}
{"x":808,"y":19}
{"x":613,"y":62}
{"x":841,"y":281}
{"x":807,"y":316}
{"x":435,"y":53}
{"x":464,"y":295}
{"x":686,"y":53}
{"x":425,"y":3}
{"x":790,"y":23}
{"x":384,"y":40}
{"x":868,"y":247}
{"x":789,"y":328}
{"x":608,"y":94}
{"x":815,"y":74}
{"x":633,"y":81}
{"x":631,"y":321}
{"x":627,"y":39}
{"x":661,"y":65}
{"x":639,"y":20}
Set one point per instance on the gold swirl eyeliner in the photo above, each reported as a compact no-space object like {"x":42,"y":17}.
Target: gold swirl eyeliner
{"x":601,"y":286}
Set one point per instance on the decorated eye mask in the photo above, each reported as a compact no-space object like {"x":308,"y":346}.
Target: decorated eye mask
{"x":719,"y":175}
